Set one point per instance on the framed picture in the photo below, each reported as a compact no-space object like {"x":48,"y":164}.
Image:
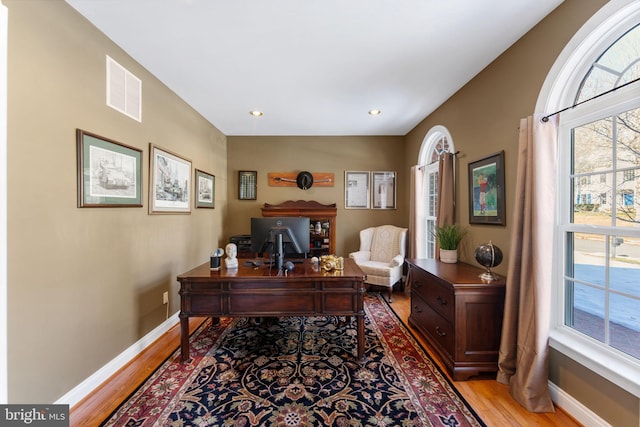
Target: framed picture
{"x":247,"y":185}
{"x":170,"y":183}
{"x":109,"y":172}
{"x":383,"y":190}
{"x":356,"y":190}
{"x":486,"y":190}
{"x":205,"y":190}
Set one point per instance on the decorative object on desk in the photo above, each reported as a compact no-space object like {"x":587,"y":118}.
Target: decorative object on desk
{"x":214,"y":262}
{"x":231,"y":261}
{"x":109,"y":173}
{"x":488,"y":255}
{"x":170,"y":183}
{"x":247,"y":185}
{"x":331,"y":262}
{"x":205,"y":189}
{"x":236,"y":370}
{"x":486,"y":190}
{"x":448,"y":238}
{"x":303,"y":180}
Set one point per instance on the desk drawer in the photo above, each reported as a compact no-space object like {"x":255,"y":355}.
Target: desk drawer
{"x":272,"y":304}
{"x":437,"y":295}
{"x":439,"y":329}
{"x":441,"y":298}
{"x":203,"y":304}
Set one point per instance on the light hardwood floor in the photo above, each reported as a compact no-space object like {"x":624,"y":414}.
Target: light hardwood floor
{"x":489,"y":399}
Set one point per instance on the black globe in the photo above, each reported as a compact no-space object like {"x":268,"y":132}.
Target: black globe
{"x":488,"y":255}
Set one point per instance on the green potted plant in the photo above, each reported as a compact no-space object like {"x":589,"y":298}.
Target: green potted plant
{"x":448,"y":238}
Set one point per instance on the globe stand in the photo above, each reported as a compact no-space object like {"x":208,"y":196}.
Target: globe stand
{"x":488,"y":255}
{"x":488,"y":275}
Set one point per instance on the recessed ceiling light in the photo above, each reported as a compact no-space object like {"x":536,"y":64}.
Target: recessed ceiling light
{"x":374,"y":112}
{"x":256,"y":113}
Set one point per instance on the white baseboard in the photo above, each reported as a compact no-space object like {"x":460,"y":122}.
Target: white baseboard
{"x":574,"y":408}
{"x":83,"y":389}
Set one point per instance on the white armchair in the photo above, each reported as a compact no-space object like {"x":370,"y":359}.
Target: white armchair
{"x":381,"y":255}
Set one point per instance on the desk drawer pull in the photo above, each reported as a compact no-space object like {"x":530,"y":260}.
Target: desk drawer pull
{"x":441,"y":301}
{"x":417,"y":309}
{"x":440,"y":333}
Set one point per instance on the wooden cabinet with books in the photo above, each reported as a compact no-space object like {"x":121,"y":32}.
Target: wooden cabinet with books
{"x":322,"y":230}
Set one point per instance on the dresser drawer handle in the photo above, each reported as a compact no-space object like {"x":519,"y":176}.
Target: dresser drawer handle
{"x":439,"y":332}
{"x":417,"y":309}
{"x":416,"y":284}
{"x":441,"y":301}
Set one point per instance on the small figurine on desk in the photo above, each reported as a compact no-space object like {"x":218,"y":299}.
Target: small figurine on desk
{"x":231,"y":262}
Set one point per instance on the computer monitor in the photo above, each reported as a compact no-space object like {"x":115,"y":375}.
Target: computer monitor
{"x":280,"y":237}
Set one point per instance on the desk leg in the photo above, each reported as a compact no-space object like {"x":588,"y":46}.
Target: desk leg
{"x":360,"y":326}
{"x":184,"y":338}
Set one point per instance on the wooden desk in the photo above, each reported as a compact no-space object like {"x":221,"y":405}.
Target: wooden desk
{"x":265,"y":292}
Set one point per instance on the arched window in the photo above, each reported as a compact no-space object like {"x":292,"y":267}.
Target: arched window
{"x":596,"y":297}
{"x":435,"y":143}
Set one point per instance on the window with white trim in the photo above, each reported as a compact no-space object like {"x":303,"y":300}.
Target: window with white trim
{"x":436,"y":142}
{"x":596,"y":307}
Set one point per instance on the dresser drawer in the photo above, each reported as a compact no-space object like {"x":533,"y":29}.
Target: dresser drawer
{"x":439,"y":296}
{"x":440,"y":330}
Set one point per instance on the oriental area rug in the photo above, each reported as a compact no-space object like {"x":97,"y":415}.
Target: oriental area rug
{"x":299,"y":371}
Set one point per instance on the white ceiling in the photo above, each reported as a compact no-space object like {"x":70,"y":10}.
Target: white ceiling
{"x":315,"y":67}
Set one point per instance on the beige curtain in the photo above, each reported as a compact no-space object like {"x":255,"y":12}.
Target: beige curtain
{"x":417,"y":208}
{"x":524,"y":350}
{"x":446,"y":194}
{"x":446,"y":191}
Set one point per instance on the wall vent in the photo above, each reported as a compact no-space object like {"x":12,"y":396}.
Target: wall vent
{"x":124,"y":90}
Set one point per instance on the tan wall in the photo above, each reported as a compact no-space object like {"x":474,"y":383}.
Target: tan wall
{"x":483,"y":118}
{"x":316,"y":154}
{"x":85,"y":284}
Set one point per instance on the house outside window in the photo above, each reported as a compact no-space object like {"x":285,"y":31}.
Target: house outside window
{"x":436,"y":142}
{"x":596,"y":298}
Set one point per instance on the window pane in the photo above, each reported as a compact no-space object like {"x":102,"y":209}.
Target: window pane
{"x":615,"y":67}
{"x":625,"y":324}
{"x":588,"y":258}
{"x":592,"y":147}
{"x":431,"y":243}
{"x":628,"y":139}
{"x":433,"y":194}
{"x":587,"y":310}
{"x":627,"y":203}
{"x":592,"y":200}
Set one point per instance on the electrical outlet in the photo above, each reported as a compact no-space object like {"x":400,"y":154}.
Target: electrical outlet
{"x":165,"y":298}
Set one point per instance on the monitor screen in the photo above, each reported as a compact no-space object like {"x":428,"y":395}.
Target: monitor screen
{"x":294,"y":232}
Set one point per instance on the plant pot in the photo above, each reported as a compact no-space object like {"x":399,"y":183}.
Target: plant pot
{"x":450,"y":256}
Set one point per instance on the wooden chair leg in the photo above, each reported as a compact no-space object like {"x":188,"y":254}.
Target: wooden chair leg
{"x":390,"y":292}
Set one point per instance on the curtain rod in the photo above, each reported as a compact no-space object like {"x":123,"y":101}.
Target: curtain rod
{"x":546,"y":118}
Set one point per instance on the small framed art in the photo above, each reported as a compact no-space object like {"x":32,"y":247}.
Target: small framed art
{"x":109,"y":172}
{"x":205,"y":190}
{"x":486,"y":190}
{"x":356,"y":190}
{"x":383,"y":190}
{"x":247,"y":185}
{"x":170,"y":183}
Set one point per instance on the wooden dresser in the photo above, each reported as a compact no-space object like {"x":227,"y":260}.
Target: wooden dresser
{"x":459,"y":315}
